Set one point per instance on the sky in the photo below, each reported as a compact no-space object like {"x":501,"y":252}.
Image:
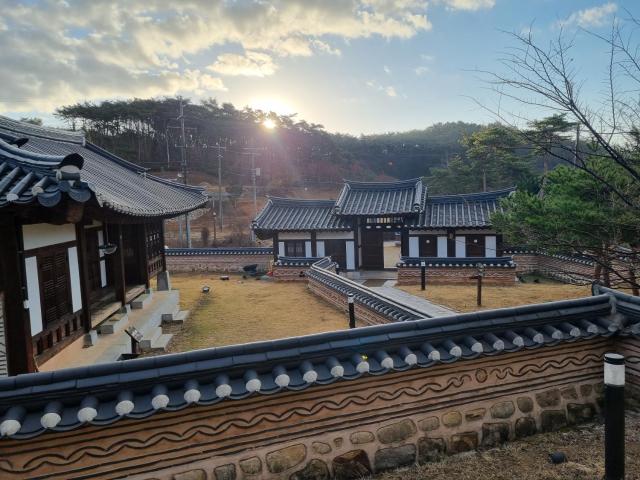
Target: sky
{"x":354,"y":66}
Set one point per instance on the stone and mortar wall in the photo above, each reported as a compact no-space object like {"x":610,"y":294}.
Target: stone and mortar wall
{"x":456,"y":275}
{"x":216,"y":263}
{"x":364,"y":315}
{"x":561,"y":268}
{"x":630,"y":348}
{"x":290,"y":273}
{"x":344,"y":430}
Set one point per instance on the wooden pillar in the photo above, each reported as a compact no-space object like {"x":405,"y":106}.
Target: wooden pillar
{"x":356,"y":242}
{"x":314,"y":252}
{"x":19,"y":343}
{"x":118,"y":267}
{"x":404,"y":242}
{"x":275,"y":246}
{"x":164,"y":256}
{"x":143,"y":254}
{"x":83,"y":268}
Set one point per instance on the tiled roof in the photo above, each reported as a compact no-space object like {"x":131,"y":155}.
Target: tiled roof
{"x":297,"y":214}
{"x":466,"y":210}
{"x":30,"y":173}
{"x":102,"y":394}
{"x":381,"y":198}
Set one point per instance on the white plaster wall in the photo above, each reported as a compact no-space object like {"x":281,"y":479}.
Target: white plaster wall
{"x":103,"y":261}
{"x":320,"y":248}
{"x":74,"y":274}
{"x":334,"y":235}
{"x":351,"y":255}
{"x":490,"y":248}
{"x":294,"y":236}
{"x":461,"y":246}
{"x":33,"y":292}
{"x":44,"y":234}
{"x":307,"y":249}
{"x":414,"y":247}
{"x":281,"y":249}
{"x":442,"y":246}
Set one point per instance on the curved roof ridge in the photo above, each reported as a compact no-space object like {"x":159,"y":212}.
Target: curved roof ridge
{"x":294,"y":200}
{"x":28,"y":158}
{"x":30,"y":130}
{"x":410,"y":182}
{"x":472,"y":196}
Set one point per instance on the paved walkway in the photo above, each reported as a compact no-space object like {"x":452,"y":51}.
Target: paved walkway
{"x":417,"y":303}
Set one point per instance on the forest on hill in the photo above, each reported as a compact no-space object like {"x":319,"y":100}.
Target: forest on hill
{"x":292,"y":152}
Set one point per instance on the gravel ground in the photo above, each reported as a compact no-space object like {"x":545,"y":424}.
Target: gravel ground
{"x":528,"y":459}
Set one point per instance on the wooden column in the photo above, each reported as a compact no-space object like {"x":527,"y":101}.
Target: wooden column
{"x":404,"y":242}
{"x":143,"y":252}
{"x":83,"y":267}
{"x":19,"y":343}
{"x":314,"y":252}
{"x":275,"y":246}
{"x":118,"y":267}
{"x":356,"y":241}
{"x":164,"y":256}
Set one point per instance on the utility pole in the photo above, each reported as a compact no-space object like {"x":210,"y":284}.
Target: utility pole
{"x":183,"y":163}
{"x":255,"y":172}
{"x":220,"y":148}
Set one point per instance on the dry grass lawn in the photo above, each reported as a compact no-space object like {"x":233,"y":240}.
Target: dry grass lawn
{"x":528,"y":459}
{"x":462,"y":298}
{"x":242,"y":311}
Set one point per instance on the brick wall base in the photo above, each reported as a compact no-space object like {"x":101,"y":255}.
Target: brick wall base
{"x":457,"y":276}
{"x":561,"y":268}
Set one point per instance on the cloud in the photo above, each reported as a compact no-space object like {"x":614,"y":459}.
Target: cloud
{"x":590,"y":17}
{"x":387,"y":70}
{"x":251,"y":64}
{"x":388,"y":90}
{"x":421,"y":70}
{"x":469,"y":5}
{"x":57,"y":52}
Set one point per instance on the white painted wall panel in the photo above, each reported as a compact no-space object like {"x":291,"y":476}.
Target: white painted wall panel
{"x":461,"y":246}
{"x":334,"y":235}
{"x":74,"y":274}
{"x":294,"y":236}
{"x":490,"y":248}
{"x":281,"y":249}
{"x":307,"y":249}
{"x":442,"y":246}
{"x":320,"y":248}
{"x":351,"y":255}
{"x":103,"y":262}
{"x":33,"y":291}
{"x":414,"y":247}
{"x":44,"y":234}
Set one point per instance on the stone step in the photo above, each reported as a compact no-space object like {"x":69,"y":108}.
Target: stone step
{"x":114,"y":323}
{"x":150,"y":337}
{"x":142,"y":301}
{"x":176,"y":319}
{"x":161,"y":343}
{"x":167,"y":317}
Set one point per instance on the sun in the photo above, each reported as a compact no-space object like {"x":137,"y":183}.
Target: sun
{"x":273,"y":104}
{"x":269,"y":124}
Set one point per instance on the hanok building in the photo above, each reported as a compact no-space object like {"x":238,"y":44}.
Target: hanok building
{"x":81,"y":235}
{"x":451,"y":234}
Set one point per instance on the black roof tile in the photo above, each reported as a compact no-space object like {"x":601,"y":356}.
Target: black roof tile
{"x":42,"y":171}
{"x":284,"y":214}
{"x":381,"y":198}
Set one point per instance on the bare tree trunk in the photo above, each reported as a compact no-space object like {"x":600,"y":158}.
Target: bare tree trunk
{"x":484,"y":180}
{"x":632,"y":280}
{"x":598,"y":272}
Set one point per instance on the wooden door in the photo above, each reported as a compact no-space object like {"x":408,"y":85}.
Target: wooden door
{"x":92,"y":256}
{"x":428,"y":245}
{"x":372,"y":250}
{"x":337,"y":250}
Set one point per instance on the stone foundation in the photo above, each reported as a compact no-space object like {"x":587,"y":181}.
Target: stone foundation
{"x":457,"y":275}
{"x":216,"y":263}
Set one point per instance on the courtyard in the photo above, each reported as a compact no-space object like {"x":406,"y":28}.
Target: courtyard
{"x":242,"y":310}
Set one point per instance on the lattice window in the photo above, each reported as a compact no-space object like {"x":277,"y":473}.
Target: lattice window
{"x":155,"y":248}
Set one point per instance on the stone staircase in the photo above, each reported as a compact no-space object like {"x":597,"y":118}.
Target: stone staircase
{"x":147,"y":313}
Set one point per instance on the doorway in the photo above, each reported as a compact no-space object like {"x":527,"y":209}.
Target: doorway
{"x":372,"y":250}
